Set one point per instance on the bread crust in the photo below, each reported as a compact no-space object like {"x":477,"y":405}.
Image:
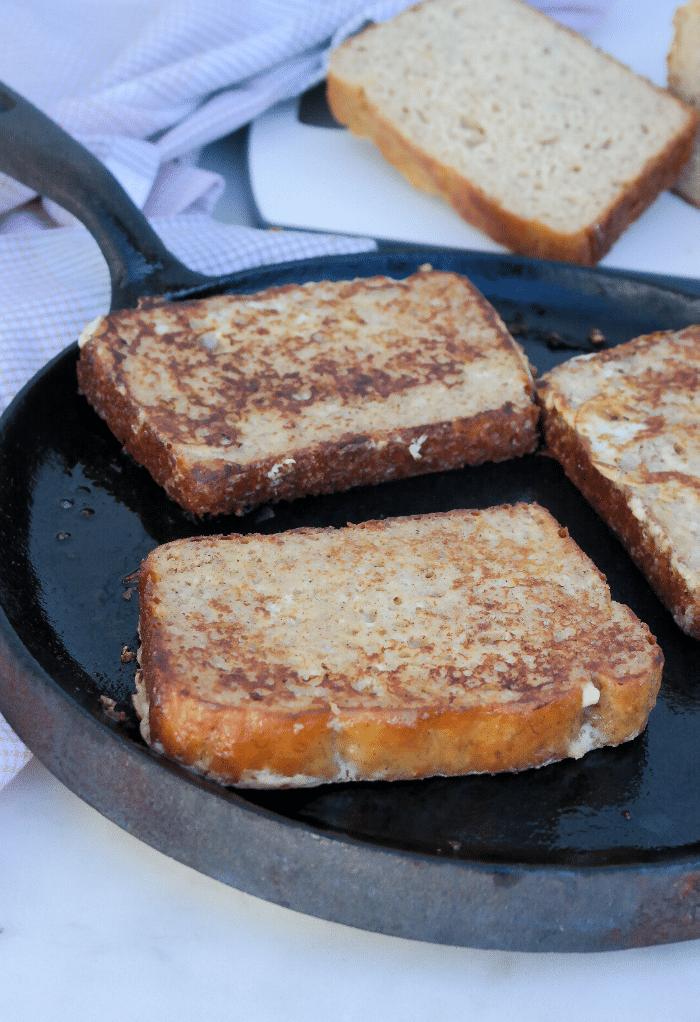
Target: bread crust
{"x":574,"y":454}
{"x":531,"y":237}
{"x":437,"y":724}
{"x":613,"y":498}
{"x":524,"y":237}
{"x":205,"y":483}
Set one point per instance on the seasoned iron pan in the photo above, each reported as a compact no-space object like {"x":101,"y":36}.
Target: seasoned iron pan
{"x":599,"y":853}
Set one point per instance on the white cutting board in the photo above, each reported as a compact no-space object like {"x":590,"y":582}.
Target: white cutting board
{"x":326,"y":179}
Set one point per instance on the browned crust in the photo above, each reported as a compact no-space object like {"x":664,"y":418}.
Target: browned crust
{"x":351,"y":107}
{"x":318,"y":744}
{"x":220,"y":486}
{"x":226,"y":742}
{"x":574,"y":454}
{"x":331,"y":467}
{"x":446,"y":742}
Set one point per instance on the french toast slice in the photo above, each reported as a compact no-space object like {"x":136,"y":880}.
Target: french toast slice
{"x":625,"y":425}
{"x":442,"y":644}
{"x":233,"y":401}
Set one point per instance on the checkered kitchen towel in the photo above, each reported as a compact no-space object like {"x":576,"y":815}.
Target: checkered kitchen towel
{"x":144,"y":84}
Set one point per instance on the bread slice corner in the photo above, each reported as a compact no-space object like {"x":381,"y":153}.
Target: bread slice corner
{"x":625,"y":425}
{"x":684,"y":82}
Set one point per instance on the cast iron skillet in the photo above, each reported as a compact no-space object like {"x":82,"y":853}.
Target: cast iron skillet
{"x":599,"y":853}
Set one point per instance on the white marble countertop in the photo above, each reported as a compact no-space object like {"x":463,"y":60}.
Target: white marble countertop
{"x":97,"y":925}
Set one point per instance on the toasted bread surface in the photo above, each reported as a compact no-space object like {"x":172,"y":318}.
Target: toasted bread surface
{"x":625,"y":424}
{"x":446,"y":644}
{"x":532,"y":134}
{"x":236,"y":400}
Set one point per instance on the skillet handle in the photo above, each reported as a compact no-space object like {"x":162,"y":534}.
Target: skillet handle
{"x":35,"y":151}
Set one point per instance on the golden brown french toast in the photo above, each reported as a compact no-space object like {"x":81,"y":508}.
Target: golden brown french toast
{"x":625,"y":425}
{"x":237,"y":400}
{"x":455,"y":643}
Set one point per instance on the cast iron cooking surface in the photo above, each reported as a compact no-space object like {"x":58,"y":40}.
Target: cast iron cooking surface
{"x":77,"y":515}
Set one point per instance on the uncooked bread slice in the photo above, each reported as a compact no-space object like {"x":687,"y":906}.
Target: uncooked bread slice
{"x":684,"y":82}
{"x":532,"y":134}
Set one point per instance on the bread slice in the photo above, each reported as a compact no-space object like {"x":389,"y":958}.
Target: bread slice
{"x":464,"y":642}
{"x":625,"y":424}
{"x":684,"y":82}
{"x":532,"y":134}
{"x":233,"y":401}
